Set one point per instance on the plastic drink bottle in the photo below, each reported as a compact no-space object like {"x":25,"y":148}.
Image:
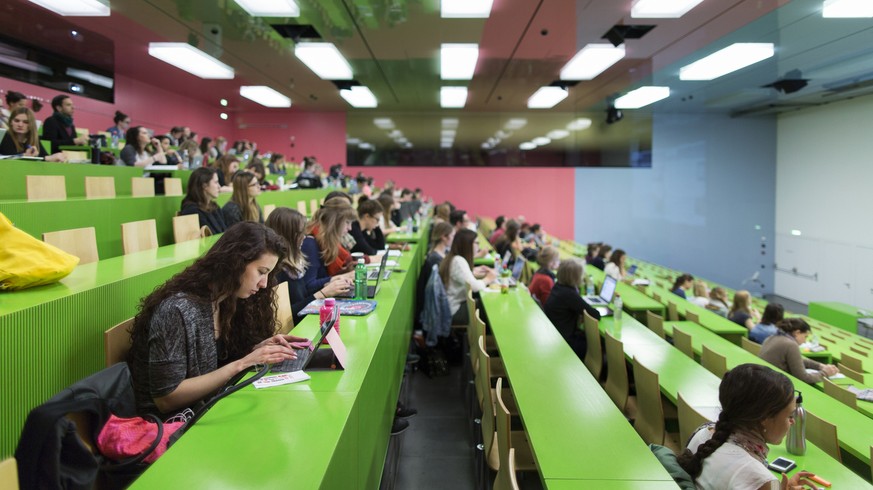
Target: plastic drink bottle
{"x":617,"y":313}
{"x":361,"y":280}
{"x":327,"y":311}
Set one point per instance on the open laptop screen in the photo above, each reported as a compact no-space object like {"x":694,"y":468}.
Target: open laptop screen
{"x":608,"y":289}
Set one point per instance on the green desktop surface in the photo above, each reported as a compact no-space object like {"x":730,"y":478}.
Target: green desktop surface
{"x":837,"y":314}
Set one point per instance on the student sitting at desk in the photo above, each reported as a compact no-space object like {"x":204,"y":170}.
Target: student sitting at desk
{"x":604,"y":252}
{"x":208,"y":323}
{"x":22,"y":138}
{"x":564,"y":307}
{"x":369,"y":212}
{"x":701,"y":294}
{"x":757,"y":408}
{"x":593,"y":251}
{"x":200,"y":200}
{"x":323,"y":248}
{"x":783,"y":351}
{"x":543,"y":280}
{"x":243,"y":204}
{"x":773,"y":314}
{"x":683,"y":283}
{"x":141,"y":150}
{"x":457,"y":272}
{"x":442,"y":213}
{"x":509,"y":242}
{"x":617,"y":266}
{"x":291,"y":225}
{"x":386,"y":226}
{"x":122,"y":124}
{"x":741,"y":312}
{"x":499,"y":230}
{"x":718,"y":301}
{"x":227,"y":166}
{"x":441,"y":236}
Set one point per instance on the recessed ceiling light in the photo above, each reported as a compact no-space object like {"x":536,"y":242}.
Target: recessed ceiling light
{"x":592,"y":60}
{"x":527,"y":145}
{"x":359,"y":96}
{"x":546,"y":97}
{"x":186,"y":57}
{"x":270,"y":8}
{"x":223,"y":116}
{"x":795,"y":232}
{"x":450,"y":122}
{"x":448,"y":133}
{"x":541,"y":140}
{"x":76,"y":8}
{"x":661,"y":9}
{"x":558,"y":134}
{"x":515,"y":124}
{"x":727,"y":60}
{"x":579,"y":124}
{"x":453,"y":97}
{"x":458,"y":61}
{"x":223,"y":102}
{"x":324,"y":59}
{"x":467,"y":9}
{"x":383,"y":123}
{"x":264,"y":95}
{"x":847,"y":9}
{"x":642,"y":97}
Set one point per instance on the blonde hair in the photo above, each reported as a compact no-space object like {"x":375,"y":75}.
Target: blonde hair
{"x":700,"y":288}
{"x":570,"y":273}
{"x":32,"y":136}
{"x":547,"y":255}
{"x":330,"y":220}
{"x":242,"y":198}
{"x":742,"y":300}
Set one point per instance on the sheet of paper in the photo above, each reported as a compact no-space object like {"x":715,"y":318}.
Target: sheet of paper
{"x":281,"y":379}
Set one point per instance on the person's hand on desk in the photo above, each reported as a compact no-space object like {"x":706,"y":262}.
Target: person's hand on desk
{"x":348,"y":277}
{"x":290,"y":341}
{"x":57,"y":157}
{"x":829,"y":370}
{"x":81,"y":140}
{"x":481,"y":271}
{"x":797,"y":482}
{"x":334,"y":288}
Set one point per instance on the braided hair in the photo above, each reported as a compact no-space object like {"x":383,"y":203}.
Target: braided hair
{"x":749,"y":394}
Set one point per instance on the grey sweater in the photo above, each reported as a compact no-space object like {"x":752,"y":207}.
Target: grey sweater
{"x":782,"y":351}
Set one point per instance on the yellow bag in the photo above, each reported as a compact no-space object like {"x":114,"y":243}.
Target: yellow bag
{"x":26,"y":262}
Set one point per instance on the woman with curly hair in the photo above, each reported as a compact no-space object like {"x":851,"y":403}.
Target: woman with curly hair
{"x":209,"y":322}
{"x":757,"y":408}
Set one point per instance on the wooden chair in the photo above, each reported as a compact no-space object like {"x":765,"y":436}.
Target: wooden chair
{"x":852,"y":362}
{"x":284,"y":315}
{"x":486,"y":371}
{"x":173,"y":187}
{"x":851,"y":373}
{"x":682,"y":341}
{"x":81,"y":242}
{"x":9,"y":474}
{"x":301,"y":206}
{"x":99,"y":187}
{"x":649,"y":422}
{"x":116,"y":342}
{"x":655,"y":324}
{"x":513,"y":480}
{"x":509,"y":439}
{"x":46,"y":188}
{"x":594,"y":353}
{"x":77,"y":155}
{"x":656,"y":297}
{"x":617,"y":385}
{"x":186,"y":227}
{"x":672,"y":312}
{"x":840,"y":393}
{"x":692,"y":317}
{"x":713,"y":361}
{"x":689,"y":420}
{"x":269,"y":208}
{"x":137,"y":236}
{"x":751,"y":345}
{"x":824,"y":435}
{"x":313,"y":205}
{"x":142,"y":187}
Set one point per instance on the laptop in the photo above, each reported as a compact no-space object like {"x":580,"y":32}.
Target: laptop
{"x":517,"y":269}
{"x":373,"y":274}
{"x":632,"y":270}
{"x":307,"y":354}
{"x":607,"y":290}
{"x":371,"y":290}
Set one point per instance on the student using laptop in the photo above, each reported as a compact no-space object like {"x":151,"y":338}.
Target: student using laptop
{"x":456,"y":272}
{"x":209,"y":322}
{"x":369,"y":214}
{"x":564,"y":306}
{"x":323,"y":245}
{"x":616,"y":268}
{"x":22,"y":137}
{"x":509,"y":242}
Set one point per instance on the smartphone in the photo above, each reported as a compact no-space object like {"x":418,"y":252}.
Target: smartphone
{"x":782,"y":465}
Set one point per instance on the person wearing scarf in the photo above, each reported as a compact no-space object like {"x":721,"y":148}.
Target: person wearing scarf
{"x":59,"y":128}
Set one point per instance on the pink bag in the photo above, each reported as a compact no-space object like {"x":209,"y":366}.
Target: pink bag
{"x":126,"y":438}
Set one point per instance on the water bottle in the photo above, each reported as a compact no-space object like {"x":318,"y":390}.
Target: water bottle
{"x":280,"y":181}
{"x":409,"y":225}
{"x":795,"y":442}
{"x":114,"y":140}
{"x":498,"y":267}
{"x":589,"y":287}
{"x":328,"y":310}
{"x":617,"y":311}
{"x":361,"y":280}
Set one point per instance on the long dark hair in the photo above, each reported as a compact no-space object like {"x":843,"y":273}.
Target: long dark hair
{"x":290,"y":224}
{"x":242,"y":322}
{"x":749,"y":394}
{"x":462,"y":246}
{"x":682,"y":279}
{"x":199,"y":178}
{"x":132,"y":139}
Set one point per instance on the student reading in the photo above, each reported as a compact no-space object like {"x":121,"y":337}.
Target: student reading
{"x":209,"y":322}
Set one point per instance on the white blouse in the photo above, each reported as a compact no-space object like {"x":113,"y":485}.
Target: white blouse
{"x":460,"y":276}
{"x":730,"y":467}
{"x":612,"y":270}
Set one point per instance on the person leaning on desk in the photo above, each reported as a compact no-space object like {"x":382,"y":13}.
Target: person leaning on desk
{"x":209,"y":322}
{"x":22,"y":138}
{"x":782,"y":350}
{"x":565,"y":306}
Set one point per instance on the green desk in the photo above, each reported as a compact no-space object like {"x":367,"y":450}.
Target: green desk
{"x":575,"y":430}
{"x":555,"y":484}
{"x":633,"y":300}
{"x":837,"y":314}
{"x":712,"y":321}
{"x":414,"y":237}
{"x":329,"y":432}
{"x":13,"y":186}
{"x":52,"y":336}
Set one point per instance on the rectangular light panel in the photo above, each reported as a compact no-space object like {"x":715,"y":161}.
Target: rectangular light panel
{"x":592,"y":60}
{"x":662,"y":9}
{"x":324,"y":59}
{"x":453,"y":97}
{"x":844,"y":9}
{"x":546,"y":98}
{"x":270,"y":8}
{"x":465,"y":9}
{"x":76,"y":8}
{"x":188,"y":58}
{"x":458,"y":61}
{"x":642,"y":97}
{"x":730,"y":59}
{"x":264,"y":95}
{"x":359,"y":97}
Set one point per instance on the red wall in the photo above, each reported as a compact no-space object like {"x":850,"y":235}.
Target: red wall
{"x":147,"y":105}
{"x":542,"y":195}
{"x":318,"y":134}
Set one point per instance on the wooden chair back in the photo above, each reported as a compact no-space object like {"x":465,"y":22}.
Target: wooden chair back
{"x":713,"y":361}
{"x":682,"y":341}
{"x":116,"y":342}
{"x":301,"y":206}
{"x":751,"y":345}
{"x":617,"y":385}
{"x":656,"y":297}
{"x":649,"y":423}
{"x":840,"y":393}
{"x":672,"y":312}
{"x":137,"y":236}
{"x":851,"y":373}
{"x":655,"y":323}
{"x":489,"y":436}
{"x":186,"y":227}
{"x":692,"y":317}
{"x":81,"y":242}
{"x":594,"y":353}
{"x":77,"y":155}
{"x":313,"y":205}
{"x":99,"y":187}
{"x":9,"y":474}
{"x":823,"y":434}
{"x":142,"y":187}
{"x":689,"y":420}
{"x":173,"y":187}
{"x":852,"y":362}
{"x":503,"y":423}
{"x":269,"y":208}
{"x":46,"y":188}
{"x":513,"y":478}
{"x":284,"y":315}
